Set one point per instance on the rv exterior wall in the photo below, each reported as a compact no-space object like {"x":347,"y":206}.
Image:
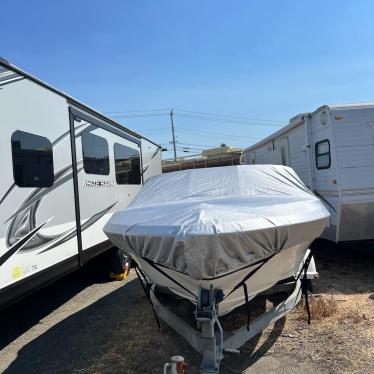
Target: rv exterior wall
{"x":41,"y":197}
{"x":354,"y":140}
{"x":27,"y":107}
{"x":270,"y":153}
{"x":341,"y":147}
{"x":295,"y":138}
{"x":151,"y":159}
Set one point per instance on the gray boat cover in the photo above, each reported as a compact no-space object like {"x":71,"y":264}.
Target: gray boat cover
{"x":207,"y":222}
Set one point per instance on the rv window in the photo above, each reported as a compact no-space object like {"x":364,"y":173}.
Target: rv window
{"x":95,"y":154}
{"x":32,"y":160}
{"x":127,"y":163}
{"x":323,"y":157}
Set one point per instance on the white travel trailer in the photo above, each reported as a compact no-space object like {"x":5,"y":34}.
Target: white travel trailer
{"x":332,"y":151}
{"x":65,"y":169}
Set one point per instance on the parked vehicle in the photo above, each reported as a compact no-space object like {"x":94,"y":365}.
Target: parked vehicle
{"x":332,"y":151}
{"x":219,"y":237}
{"x":65,"y":168}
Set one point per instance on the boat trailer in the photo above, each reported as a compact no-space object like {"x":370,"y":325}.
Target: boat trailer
{"x":211,"y":341}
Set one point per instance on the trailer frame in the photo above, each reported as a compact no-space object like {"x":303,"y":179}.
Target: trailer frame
{"x":212,"y":342}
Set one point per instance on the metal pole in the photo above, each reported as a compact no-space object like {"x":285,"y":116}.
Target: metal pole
{"x":172,"y":130}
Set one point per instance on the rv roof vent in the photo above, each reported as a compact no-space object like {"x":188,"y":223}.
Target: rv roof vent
{"x":4,"y":60}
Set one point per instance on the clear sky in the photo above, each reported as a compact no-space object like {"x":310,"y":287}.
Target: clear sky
{"x":265,"y":60}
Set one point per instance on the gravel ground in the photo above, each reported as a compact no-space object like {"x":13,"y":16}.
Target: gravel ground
{"x":84,"y":324}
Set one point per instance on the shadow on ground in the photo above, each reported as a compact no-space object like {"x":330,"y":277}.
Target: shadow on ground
{"x":251,"y":352}
{"x":21,"y":316}
{"x":116,"y":334}
{"x":346,"y":268}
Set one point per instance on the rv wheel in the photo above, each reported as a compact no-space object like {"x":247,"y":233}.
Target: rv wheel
{"x":120,"y":264}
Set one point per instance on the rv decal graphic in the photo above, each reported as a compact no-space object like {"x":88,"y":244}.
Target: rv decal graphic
{"x":11,"y":188}
{"x":84,"y":226}
{"x":23,"y":220}
{"x":146,"y":166}
{"x":23,"y":233}
{"x":155,"y":153}
{"x":18,"y":245}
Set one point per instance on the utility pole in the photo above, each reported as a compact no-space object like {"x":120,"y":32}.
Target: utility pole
{"x":172,"y":130}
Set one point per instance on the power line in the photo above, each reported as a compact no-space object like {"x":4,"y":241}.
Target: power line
{"x":195,"y":115}
{"x":215,"y":133}
{"x":226,"y":120}
{"x":192,"y":131}
{"x":199,"y":145}
{"x":154,"y":129}
{"x":230,"y":117}
{"x":195,"y":148}
{"x":138,"y":115}
{"x":139,"y":111}
{"x":225,"y":138}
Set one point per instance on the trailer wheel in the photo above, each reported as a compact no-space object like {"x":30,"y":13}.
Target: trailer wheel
{"x":120,"y":263}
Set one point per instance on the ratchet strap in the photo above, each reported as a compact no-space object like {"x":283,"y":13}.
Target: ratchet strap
{"x":168,"y":276}
{"x":243,"y":284}
{"x":247,"y":305}
{"x":304,"y":282}
{"x":250,"y":274}
{"x":147,"y":289}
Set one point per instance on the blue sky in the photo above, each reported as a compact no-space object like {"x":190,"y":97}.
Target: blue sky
{"x":266,"y":60}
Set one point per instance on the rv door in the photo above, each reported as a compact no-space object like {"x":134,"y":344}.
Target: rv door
{"x":252,"y":158}
{"x":108,"y":177}
{"x":284,"y":151}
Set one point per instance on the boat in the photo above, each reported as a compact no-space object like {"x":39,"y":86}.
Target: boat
{"x":220,"y":236}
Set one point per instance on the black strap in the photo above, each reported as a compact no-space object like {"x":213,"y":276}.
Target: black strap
{"x":247,"y":305}
{"x":249,"y":275}
{"x":169,"y":277}
{"x":304,"y":283}
{"x":245,"y":289}
{"x":304,"y":286}
{"x":147,"y":289}
{"x":305,"y":265}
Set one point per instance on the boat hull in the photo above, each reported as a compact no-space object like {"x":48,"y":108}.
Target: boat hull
{"x":283,"y":265}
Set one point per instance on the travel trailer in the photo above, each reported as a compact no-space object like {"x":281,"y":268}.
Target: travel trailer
{"x":332,"y":151}
{"x":65,"y":169}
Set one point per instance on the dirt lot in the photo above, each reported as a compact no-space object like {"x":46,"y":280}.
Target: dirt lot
{"x":84,"y":324}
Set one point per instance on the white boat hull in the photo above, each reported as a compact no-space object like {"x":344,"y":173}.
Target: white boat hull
{"x":283,"y":265}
